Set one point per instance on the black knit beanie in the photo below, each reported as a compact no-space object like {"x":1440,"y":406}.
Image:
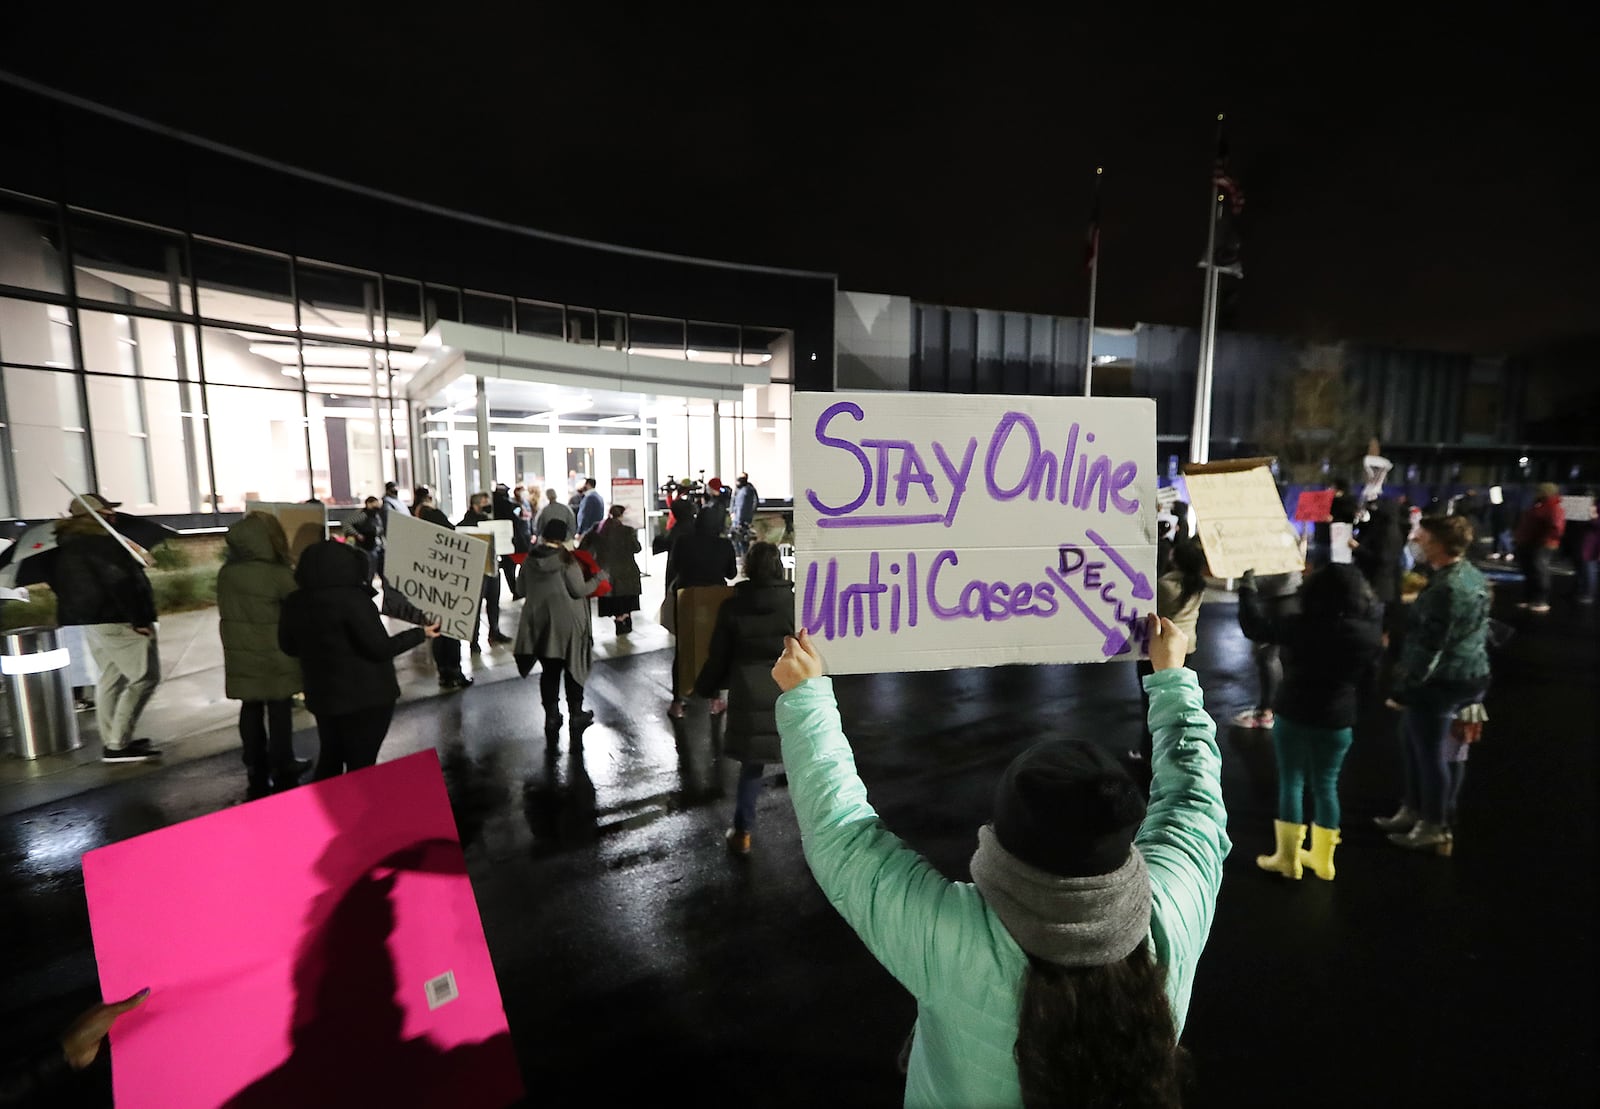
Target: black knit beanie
{"x":1067,"y":807}
{"x":555,"y":531}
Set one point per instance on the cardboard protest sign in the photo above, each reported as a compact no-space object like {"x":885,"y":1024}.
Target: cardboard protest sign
{"x":1240,"y":518}
{"x":935,"y":531}
{"x":304,"y":524}
{"x":438,"y":570}
{"x":1313,"y":506}
{"x":496,"y":533}
{"x":629,"y":492}
{"x":696,"y":620}
{"x":321,"y":946}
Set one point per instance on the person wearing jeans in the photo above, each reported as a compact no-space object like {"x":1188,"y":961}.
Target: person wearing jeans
{"x":1443,"y":665}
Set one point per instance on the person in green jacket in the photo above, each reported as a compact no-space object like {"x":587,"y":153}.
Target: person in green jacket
{"x":1061,"y":974}
{"x":251,"y":587}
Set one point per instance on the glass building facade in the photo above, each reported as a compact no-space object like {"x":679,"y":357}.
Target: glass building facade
{"x":186,"y":328}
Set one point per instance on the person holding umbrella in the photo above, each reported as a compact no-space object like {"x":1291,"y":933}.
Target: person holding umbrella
{"x":100,"y":585}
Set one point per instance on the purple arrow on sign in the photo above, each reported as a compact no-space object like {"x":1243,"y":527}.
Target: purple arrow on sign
{"x":1141,"y":584}
{"x":1116,"y":638}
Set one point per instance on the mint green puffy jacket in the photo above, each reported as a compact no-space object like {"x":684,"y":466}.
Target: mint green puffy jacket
{"x":941,"y":940}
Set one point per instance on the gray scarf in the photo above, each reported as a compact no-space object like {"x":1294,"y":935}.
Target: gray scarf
{"x":1075,"y":922}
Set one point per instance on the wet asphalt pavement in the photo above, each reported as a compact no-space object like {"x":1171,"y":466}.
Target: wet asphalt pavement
{"x":639,"y":962}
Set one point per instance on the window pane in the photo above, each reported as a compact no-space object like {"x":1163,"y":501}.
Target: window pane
{"x":537,"y":318}
{"x":35,"y":334}
{"x":656,"y":337}
{"x":337,"y":302}
{"x":623,"y":464}
{"x":260,"y":442}
{"x":30,"y":255}
{"x":765,"y":346}
{"x":486,"y":310}
{"x":402,"y":306}
{"x":237,"y":357}
{"x":245,"y":286}
{"x":126,"y":263}
{"x":613,"y":330}
{"x":440,"y":303}
{"x":118,"y":410}
{"x":345,"y":449}
{"x":345,"y":370}
{"x":530,"y":467}
{"x":580,"y":325}
{"x":713,"y":342}
{"x":44,"y":417}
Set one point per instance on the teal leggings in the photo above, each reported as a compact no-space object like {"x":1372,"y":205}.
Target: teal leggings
{"x":1309,"y":757}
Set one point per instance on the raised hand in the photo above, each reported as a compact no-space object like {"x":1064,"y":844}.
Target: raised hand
{"x":798,"y":662}
{"x":1168,"y":645}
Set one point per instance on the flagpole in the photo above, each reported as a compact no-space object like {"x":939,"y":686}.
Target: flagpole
{"x":1094,"y":285}
{"x":1200,"y":436}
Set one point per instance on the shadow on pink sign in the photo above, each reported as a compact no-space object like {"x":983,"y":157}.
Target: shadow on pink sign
{"x":319,"y":947}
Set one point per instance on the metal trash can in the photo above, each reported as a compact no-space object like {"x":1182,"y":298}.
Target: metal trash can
{"x":38,"y":693}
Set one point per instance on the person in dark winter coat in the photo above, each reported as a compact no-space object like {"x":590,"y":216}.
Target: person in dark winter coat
{"x":1331,"y":634}
{"x":555,"y":629}
{"x":347,"y":656}
{"x":614,"y":545}
{"x":251,"y":588}
{"x":747,"y":641}
{"x":100,"y":585}
{"x":507,"y":508}
{"x":479,"y":512}
{"x":699,"y":554}
{"x":367,"y":529}
{"x":1538,"y":537}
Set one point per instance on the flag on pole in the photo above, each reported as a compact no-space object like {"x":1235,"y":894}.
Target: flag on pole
{"x":1091,"y":249}
{"x":1230,"y":205}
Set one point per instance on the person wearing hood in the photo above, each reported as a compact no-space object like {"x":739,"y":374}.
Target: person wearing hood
{"x":251,"y":588}
{"x":1061,"y":974}
{"x":746,"y":642}
{"x":699,"y":554}
{"x":102,"y":586}
{"x":1331,"y":635}
{"x":346,"y":655}
{"x":1538,"y":537}
{"x":555,"y":629}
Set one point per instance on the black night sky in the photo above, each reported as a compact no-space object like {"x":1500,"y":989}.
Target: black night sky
{"x":1417,"y":180}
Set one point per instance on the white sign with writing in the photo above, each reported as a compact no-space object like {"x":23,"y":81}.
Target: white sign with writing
{"x":438,"y":570}
{"x":629,"y":492}
{"x":940,"y":531}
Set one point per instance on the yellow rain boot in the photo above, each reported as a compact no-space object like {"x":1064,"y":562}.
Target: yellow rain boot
{"x":1288,"y":858}
{"x":1319,"y":860}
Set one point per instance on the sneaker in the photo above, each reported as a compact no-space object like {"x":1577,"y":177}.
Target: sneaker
{"x":1538,"y":608}
{"x":1250,"y":718}
{"x":738,"y":842}
{"x":1403,"y":820}
{"x":131,"y":753}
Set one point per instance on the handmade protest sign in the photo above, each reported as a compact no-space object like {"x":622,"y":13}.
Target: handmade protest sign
{"x":937,"y":531}
{"x":497,"y":534}
{"x":303,"y":524}
{"x":438,"y":570}
{"x":1241,"y":521}
{"x":629,"y":492}
{"x":321,"y":946}
{"x":1313,"y":506}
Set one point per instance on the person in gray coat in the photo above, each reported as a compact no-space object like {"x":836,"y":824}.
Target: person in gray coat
{"x":251,"y":587}
{"x":555,"y":628}
{"x":747,"y":640}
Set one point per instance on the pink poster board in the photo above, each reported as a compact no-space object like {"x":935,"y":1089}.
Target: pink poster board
{"x":318,"y":947}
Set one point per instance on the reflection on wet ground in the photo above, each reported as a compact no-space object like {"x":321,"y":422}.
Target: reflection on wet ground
{"x":639,"y":961}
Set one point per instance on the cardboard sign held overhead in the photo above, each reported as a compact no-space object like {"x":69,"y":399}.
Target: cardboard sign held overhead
{"x":938,"y":531}
{"x":318,"y":947}
{"x":303,"y":524}
{"x":438,"y":570}
{"x":1241,"y":521}
{"x":1314,"y":505}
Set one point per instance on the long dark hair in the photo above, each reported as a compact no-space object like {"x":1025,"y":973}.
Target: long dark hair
{"x":1099,"y":1036}
{"x":1189,"y":560}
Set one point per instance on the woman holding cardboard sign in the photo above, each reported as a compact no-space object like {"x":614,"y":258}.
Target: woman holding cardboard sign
{"x":1061,"y":974}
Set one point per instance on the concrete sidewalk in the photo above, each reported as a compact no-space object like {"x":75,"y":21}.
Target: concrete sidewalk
{"x":190,"y":717}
